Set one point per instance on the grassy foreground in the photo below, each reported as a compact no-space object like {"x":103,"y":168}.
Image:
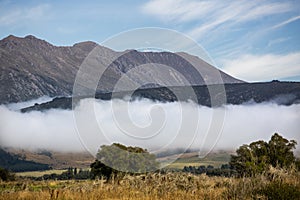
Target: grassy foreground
{"x":275,"y":183}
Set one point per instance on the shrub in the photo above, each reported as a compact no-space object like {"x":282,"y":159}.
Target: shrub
{"x":279,"y":190}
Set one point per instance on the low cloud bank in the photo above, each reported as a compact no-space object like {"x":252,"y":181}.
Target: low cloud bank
{"x":155,"y":126}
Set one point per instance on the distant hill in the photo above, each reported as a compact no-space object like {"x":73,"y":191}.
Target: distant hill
{"x":17,"y":164}
{"x":31,"y":68}
{"x":282,"y":93}
{"x":56,"y":160}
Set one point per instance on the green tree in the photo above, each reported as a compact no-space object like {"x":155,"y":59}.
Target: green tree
{"x":258,"y":156}
{"x":5,"y":175}
{"x":98,"y":169}
{"x":281,"y":151}
{"x":119,"y":158}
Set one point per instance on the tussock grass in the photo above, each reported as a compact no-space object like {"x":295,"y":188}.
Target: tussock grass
{"x":159,"y":186}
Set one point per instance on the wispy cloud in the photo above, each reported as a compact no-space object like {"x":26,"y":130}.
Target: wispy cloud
{"x":237,"y":31}
{"x":177,"y":10}
{"x":264,"y":67}
{"x":277,"y":41}
{"x":19,"y":14}
{"x":286,"y":22}
{"x":212,"y":14}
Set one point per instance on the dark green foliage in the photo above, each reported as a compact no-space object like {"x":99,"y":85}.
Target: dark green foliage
{"x":225,"y":166}
{"x":117,"y":158}
{"x":5,"y":175}
{"x":70,"y":174}
{"x":127,"y":159}
{"x":83,"y":175}
{"x":99,"y":169}
{"x":15,"y":164}
{"x":258,"y":156}
{"x":280,"y":191}
{"x":281,"y":151}
{"x":297,"y":163}
{"x":210,"y":170}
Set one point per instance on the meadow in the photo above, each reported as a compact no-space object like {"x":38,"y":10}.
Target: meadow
{"x":273,"y":184}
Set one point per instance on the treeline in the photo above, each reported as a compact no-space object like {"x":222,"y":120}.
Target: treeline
{"x":225,"y":170}
{"x":255,"y":158}
{"x":250,"y":160}
{"x":71,"y":173}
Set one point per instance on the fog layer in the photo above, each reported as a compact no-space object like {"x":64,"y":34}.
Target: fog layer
{"x":156,"y":126}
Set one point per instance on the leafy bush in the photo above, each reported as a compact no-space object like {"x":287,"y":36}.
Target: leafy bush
{"x":279,"y":190}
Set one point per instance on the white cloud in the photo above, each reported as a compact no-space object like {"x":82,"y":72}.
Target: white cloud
{"x":263,"y":9}
{"x":56,"y":129}
{"x":211,"y":14}
{"x":17,"y":14}
{"x":277,"y":41}
{"x":263,"y":67}
{"x":286,"y":22}
{"x":177,"y":10}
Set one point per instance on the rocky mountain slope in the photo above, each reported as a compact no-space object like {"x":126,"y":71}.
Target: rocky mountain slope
{"x":31,"y":68}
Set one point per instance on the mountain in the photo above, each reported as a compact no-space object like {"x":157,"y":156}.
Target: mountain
{"x":31,"y":68}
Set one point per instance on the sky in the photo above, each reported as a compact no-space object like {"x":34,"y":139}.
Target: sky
{"x":255,"y":40}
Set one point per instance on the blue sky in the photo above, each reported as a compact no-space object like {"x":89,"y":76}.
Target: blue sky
{"x":257,"y":40}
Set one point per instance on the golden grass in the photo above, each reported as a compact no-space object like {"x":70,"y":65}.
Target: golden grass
{"x":40,"y":173}
{"x":148,"y":187}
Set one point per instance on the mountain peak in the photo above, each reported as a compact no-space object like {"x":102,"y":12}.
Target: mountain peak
{"x":31,"y":37}
{"x":11,"y":38}
{"x":85,"y":45}
{"x":15,"y":38}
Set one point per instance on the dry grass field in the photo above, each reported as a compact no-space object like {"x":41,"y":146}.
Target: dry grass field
{"x":276,"y":182}
{"x":40,"y":173}
{"x":215,"y":159}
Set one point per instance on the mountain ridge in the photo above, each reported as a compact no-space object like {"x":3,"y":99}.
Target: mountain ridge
{"x":31,"y":67}
{"x":281,"y":93}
